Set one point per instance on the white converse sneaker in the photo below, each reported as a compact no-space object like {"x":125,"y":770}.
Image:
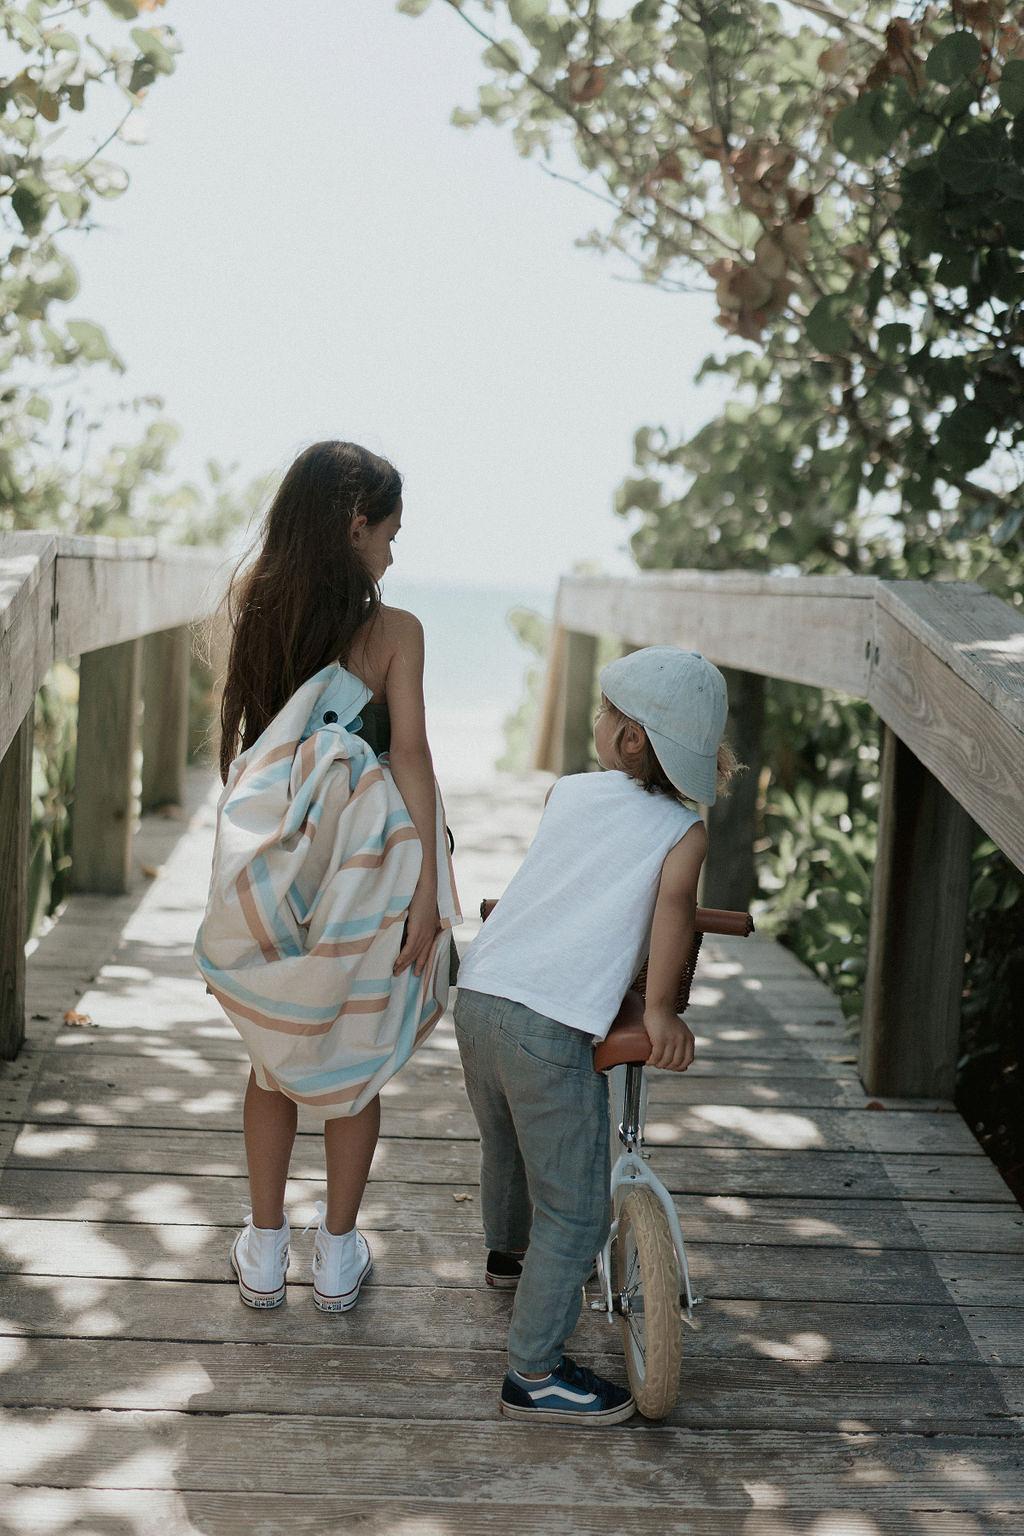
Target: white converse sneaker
{"x":259,"y":1258}
{"x":340,"y":1265}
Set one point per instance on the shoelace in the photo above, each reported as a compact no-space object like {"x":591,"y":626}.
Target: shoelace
{"x":320,"y":1207}
{"x":580,"y":1376}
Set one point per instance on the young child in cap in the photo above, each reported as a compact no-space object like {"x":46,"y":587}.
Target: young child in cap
{"x":610,"y":877}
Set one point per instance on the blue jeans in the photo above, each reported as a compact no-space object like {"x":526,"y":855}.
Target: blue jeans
{"x":544,"y":1171}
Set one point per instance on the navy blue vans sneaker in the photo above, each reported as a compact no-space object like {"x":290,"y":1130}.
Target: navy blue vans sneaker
{"x":570,"y":1394}
{"x":504,"y":1270}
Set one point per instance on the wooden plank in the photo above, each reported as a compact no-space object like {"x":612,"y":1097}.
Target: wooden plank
{"x":302,"y":1453}
{"x":137,"y":1250}
{"x":104,"y":806}
{"x":910,"y":1032}
{"x":15,"y":814}
{"x":112,"y":590}
{"x":972,"y":631}
{"x":131,"y":1512}
{"x":167,"y":658}
{"x":27,"y":565}
{"x":728,"y":878}
{"x":548,"y":730}
{"x":188,"y":1088}
{"x":723,"y":1171}
{"x":575,"y":746}
{"x":723,"y":1271}
{"x":886,"y":1223}
{"x":454,"y":1385}
{"x":975,"y":750}
{"x":807,"y":631}
{"x":443,"y":1303}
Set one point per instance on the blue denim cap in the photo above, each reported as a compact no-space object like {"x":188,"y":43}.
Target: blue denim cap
{"x":680,"y":699}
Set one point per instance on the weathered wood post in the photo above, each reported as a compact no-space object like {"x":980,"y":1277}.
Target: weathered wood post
{"x":729,"y":878}
{"x":566,"y":723}
{"x":104,"y":807}
{"x":166,"y":658}
{"x":911,"y":1025}
{"x":15,"y":814}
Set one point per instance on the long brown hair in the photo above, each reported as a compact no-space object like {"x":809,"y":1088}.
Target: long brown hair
{"x":299,"y":603}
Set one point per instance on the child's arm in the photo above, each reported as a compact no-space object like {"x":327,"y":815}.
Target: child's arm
{"x":671,"y":941}
{"x":413,"y":771}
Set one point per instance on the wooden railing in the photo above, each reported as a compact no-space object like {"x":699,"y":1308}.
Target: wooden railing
{"x":93,"y":598}
{"x":942,"y":664}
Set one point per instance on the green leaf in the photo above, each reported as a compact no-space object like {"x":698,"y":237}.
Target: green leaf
{"x":126,"y":9}
{"x":893,"y":340}
{"x":953,"y":59}
{"x":1008,"y":527}
{"x":72,"y":205}
{"x":1011,"y":87}
{"x":29,"y":208}
{"x":20,"y":27}
{"x":153,"y":48}
{"x":412,"y":7}
{"x":921,"y":184}
{"x":91,"y":340}
{"x":827,"y":327}
{"x":962,"y":438}
{"x":524,"y":12}
{"x":971,"y":161}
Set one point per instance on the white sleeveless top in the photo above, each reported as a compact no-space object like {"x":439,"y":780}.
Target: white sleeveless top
{"x":574,"y":926}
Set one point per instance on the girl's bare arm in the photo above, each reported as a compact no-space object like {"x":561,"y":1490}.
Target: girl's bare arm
{"x":671,"y":941}
{"x":413,"y":770}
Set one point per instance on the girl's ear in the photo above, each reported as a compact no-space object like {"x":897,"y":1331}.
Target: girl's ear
{"x":357,"y":528}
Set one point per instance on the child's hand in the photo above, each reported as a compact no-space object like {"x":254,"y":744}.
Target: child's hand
{"x":422,"y":926}
{"x":672,"y":1042}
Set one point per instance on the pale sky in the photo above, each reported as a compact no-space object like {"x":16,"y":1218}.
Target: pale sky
{"x":309,"y":249}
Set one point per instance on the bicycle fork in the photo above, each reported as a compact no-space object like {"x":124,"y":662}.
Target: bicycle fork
{"x":631,"y":1170}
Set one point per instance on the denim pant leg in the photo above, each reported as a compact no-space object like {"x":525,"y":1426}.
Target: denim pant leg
{"x":559,"y":1108}
{"x":504,"y":1197}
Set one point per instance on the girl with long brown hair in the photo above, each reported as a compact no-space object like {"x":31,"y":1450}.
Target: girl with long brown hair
{"x":327,"y":936}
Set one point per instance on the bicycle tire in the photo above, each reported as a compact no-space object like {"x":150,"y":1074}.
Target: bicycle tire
{"x":645,"y":1268}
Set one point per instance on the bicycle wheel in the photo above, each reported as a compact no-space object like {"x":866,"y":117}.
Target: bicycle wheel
{"x":646,"y":1281}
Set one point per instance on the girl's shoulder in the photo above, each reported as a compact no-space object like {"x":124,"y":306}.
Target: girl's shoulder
{"x":399,"y":624}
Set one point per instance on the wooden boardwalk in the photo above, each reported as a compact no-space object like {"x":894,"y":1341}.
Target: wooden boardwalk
{"x":858,"y":1368}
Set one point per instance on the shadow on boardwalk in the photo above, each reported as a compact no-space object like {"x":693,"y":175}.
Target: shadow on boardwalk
{"x":858,"y":1369}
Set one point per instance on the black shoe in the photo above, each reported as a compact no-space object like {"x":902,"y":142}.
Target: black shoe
{"x":504,"y":1270}
{"x":570,"y":1394}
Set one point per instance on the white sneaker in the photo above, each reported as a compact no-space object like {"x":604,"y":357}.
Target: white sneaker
{"x":259,"y":1258}
{"x":340,"y":1265}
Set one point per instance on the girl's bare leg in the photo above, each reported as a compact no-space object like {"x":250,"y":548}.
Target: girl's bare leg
{"x":269,"y":1122}
{"x":349,"y":1144}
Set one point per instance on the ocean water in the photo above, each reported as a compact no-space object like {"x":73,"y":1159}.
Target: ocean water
{"x":474,"y":673}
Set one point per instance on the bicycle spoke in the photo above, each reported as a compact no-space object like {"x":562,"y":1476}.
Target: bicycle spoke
{"x":636,"y":1337}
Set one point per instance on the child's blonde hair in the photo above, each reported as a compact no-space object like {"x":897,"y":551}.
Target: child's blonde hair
{"x":647,"y":771}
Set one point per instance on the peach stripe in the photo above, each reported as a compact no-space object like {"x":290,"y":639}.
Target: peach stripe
{"x":375,"y":860}
{"x":287,"y":750}
{"x":251,"y":912}
{"x":339,"y":1096}
{"x":294,"y":1026}
{"x":329,"y":948}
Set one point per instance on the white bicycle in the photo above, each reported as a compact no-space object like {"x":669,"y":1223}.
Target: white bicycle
{"x":642,"y":1270}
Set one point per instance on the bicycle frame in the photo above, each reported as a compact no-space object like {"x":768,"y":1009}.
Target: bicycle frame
{"x":629,"y":1090}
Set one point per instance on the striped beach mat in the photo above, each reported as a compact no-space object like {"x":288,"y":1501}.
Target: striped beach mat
{"x":315,"y":863}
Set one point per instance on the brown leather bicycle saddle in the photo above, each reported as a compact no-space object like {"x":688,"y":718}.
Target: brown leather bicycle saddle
{"x":627,"y":1040}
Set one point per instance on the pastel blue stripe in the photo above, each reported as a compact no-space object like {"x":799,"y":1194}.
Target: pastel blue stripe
{"x":227,"y":983}
{"x":318,"y":1082}
{"x":354,"y":927}
{"x":375,"y":987}
{"x":271,"y":912}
